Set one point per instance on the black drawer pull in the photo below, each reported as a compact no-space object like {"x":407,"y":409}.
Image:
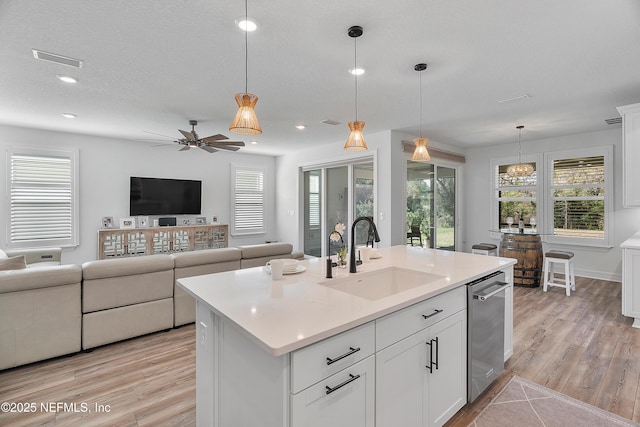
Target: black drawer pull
{"x":348,"y":353}
{"x":435,"y":311}
{"x":352,"y":378}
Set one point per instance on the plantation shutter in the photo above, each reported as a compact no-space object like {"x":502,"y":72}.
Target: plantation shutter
{"x":41,"y":198}
{"x":314,"y":201}
{"x":248,"y":201}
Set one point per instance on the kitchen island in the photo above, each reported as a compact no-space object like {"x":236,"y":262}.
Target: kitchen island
{"x":306,"y":350}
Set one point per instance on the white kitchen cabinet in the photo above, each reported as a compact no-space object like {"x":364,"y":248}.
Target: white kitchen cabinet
{"x":631,"y":279}
{"x":344,"y":399}
{"x":630,"y":154}
{"x":508,"y":313}
{"x":421,"y":380}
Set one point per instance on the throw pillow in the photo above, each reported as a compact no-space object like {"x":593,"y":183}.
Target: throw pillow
{"x":13,"y":263}
{"x":3,"y":254}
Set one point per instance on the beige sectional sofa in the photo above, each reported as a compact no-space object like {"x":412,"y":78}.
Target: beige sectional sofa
{"x":53,"y":310}
{"x":39,"y":313}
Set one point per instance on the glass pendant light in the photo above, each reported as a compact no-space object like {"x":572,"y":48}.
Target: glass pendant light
{"x":521,"y":169}
{"x":246,"y":122}
{"x":421,"y":154}
{"x":356,"y":141}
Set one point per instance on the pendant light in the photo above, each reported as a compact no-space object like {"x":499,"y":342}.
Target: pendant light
{"x":356,"y":141}
{"x":245,"y":122}
{"x":420,"y":154}
{"x":521,"y":169}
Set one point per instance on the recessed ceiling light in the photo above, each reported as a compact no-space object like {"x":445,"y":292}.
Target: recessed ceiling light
{"x":300,"y":127}
{"x":69,"y":115}
{"x":67,"y":79}
{"x":248,"y":24}
{"x":254,"y":142}
{"x":356,"y":71}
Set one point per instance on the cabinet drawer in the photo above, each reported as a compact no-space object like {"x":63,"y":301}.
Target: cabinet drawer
{"x":396,"y":326}
{"x":318,"y":361}
{"x":344,"y":399}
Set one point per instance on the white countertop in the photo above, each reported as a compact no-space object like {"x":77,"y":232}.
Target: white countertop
{"x":632,"y":242}
{"x":287,"y":314}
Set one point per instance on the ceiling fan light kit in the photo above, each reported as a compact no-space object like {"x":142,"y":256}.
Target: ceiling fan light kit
{"x":245,"y":121}
{"x":521,"y":169}
{"x":355,"y":141}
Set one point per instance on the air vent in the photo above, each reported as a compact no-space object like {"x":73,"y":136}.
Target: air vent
{"x":524,"y":96}
{"x":614,"y":121}
{"x":331,"y":122}
{"x":58,"y":59}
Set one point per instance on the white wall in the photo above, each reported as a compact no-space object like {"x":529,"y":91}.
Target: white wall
{"x":602,"y":263}
{"x":105,"y":166}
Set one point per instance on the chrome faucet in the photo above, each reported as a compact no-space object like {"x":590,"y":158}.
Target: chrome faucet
{"x":376,"y":238}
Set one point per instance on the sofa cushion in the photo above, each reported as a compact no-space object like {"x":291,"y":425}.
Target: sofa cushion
{"x":265,"y":250}
{"x":45,"y":277}
{"x":39,"y":256}
{"x":13,"y":263}
{"x":126,"y":266}
{"x":3,"y":255}
{"x":206,"y":256}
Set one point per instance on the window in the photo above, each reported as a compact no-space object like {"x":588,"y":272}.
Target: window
{"x":247,"y":206}
{"x":42,"y":196}
{"x":516,"y":197}
{"x":579,"y":191}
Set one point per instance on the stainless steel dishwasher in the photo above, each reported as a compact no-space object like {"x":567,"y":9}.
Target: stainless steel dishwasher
{"x":485,"y":332}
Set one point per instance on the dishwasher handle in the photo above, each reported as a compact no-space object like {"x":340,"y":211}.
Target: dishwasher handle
{"x":483,"y":297}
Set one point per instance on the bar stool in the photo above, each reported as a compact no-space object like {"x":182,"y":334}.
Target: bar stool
{"x":485,"y":249}
{"x":564,"y":258}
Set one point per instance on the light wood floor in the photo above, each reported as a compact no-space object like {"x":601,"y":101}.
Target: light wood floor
{"x":579,"y":345}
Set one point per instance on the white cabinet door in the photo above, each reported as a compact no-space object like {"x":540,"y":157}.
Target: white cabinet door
{"x":422,"y":380}
{"x":630,"y":155}
{"x":508,"y":314}
{"x":401,"y":382}
{"x":346,"y":399}
{"x":448,"y":381}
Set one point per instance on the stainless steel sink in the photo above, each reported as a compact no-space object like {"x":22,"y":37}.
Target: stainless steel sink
{"x":381,"y":283}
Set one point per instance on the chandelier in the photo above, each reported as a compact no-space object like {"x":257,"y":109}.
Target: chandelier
{"x":521,"y":169}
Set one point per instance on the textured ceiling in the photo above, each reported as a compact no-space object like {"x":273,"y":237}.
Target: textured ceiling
{"x":151,"y":65}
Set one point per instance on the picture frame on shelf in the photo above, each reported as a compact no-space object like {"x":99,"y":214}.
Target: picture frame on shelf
{"x":143,"y":221}
{"x":128,"y":222}
{"x":214,"y":220}
{"x":107,"y":222}
{"x":186,"y":221}
{"x":201,"y":220}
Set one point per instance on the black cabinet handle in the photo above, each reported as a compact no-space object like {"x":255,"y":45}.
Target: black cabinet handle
{"x":348,"y":353}
{"x":431,"y":345}
{"x":435,"y":311}
{"x":342,"y":384}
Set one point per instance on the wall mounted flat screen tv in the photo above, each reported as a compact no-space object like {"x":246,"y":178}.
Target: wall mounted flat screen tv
{"x":161,"y":196}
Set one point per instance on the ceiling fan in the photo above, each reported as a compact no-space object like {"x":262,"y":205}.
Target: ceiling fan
{"x":210,"y":144}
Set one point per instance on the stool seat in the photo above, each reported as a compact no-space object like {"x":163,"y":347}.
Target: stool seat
{"x":565,"y":259}
{"x":559,"y":254}
{"x":485,"y":249}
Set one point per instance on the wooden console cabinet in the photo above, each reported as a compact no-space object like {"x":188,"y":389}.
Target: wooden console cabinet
{"x":116,"y":243}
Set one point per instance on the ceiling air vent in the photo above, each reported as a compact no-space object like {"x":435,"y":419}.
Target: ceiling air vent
{"x":331,"y":122}
{"x":614,"y":121}
{"x":58,"y":59}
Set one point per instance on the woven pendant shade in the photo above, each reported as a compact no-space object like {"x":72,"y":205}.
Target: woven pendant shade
{"x":245,"y":122}
{"x":356,"y":141}
{"x":421,"y":154}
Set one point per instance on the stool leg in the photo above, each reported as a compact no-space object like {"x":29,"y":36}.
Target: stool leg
{"x":546,"y":274}
{"x":567,"y":278}
{"x":573,"y":275}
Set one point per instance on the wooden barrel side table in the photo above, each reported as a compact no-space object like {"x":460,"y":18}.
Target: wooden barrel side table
{"x":527,"y":249}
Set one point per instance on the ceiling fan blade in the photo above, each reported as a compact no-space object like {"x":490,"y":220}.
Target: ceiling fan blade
{"x":185,"y":148}
{"x":208,"y":149}
{"x":213,"y":138}
{"x":234,"y":143}
{"x":187,"y":135}
{"x":224,"y":147}
{"x":159,"y":134}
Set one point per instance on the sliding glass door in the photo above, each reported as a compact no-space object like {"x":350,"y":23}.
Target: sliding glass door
{"x":431,"y":205}
{"x":336,"y":194}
